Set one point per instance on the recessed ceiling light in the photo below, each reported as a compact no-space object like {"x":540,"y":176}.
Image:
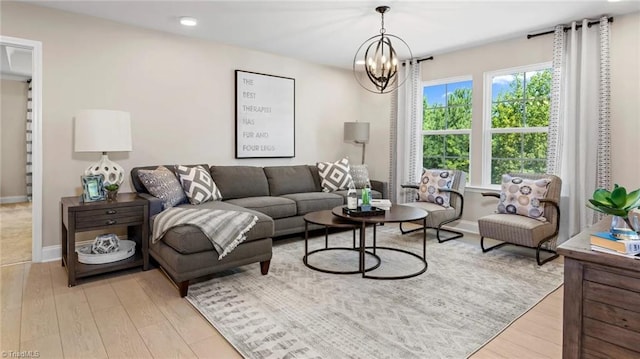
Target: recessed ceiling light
{"x":188,"y":21}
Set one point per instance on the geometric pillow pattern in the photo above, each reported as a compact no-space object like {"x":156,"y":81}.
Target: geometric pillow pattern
{"x":335,"y":176}
{"x":162,"y":183}
{"x":198,"y":184}
{"x":522,"y":196}
{"x":430,"y":184}
{"x":360,"y":175}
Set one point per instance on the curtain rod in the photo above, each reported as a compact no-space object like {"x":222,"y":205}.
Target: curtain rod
{"x":591,"y":23}
{"x":418,"y":60}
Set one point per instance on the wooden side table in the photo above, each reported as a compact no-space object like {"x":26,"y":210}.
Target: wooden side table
{"x":76,"y":216}
{"x":601,"y":300}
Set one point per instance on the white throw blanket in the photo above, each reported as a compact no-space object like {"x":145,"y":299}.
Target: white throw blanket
{"x":225,"y":229}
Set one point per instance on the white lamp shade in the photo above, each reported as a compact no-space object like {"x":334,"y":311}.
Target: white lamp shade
{"x":356,"y":132}
{"x":102,"y":131}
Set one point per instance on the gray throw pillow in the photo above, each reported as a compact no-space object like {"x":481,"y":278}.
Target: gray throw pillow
{"x":162,"y":183}
{"x":198,"y":184}
{"x":360,"y":175}
{"x":334,"y":175}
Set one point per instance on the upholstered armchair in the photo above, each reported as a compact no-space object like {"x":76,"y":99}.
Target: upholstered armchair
{"x":528,"y":214}
{"x":442,"y":198}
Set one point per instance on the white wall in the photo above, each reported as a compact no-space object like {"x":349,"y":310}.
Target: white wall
{"x":13,"y":116}
{"x":625,"y":96}
{"x":179,"y":91}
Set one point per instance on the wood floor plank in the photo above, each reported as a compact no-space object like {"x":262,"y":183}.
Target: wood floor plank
{"x":39,"y":318}
{"x":12,"y":283}
{"x":215,"y":346}
{"x":139,"y":306}
{"x":164,"y":342}
{"x":101,"y":297}
{"x":79,"y":333}
{"x":47,"y":347}
{"x":119,"y":335}
{"x":534,"y":345}
{"x":10,"y":331}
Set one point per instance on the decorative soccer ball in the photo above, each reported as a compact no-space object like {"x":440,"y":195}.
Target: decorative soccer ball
{"x":105,"y":243}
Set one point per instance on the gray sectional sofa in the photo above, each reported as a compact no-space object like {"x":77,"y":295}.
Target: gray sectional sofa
{"x":279,"y":196}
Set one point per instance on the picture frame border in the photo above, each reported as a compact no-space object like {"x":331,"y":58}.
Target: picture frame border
{"x":87,"y":194}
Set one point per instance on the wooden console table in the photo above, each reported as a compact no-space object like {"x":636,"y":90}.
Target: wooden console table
{"x":128,"y":210}
{"x":601,"y":301}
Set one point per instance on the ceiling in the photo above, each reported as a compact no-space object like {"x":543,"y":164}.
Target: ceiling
{"x":330,"y":32}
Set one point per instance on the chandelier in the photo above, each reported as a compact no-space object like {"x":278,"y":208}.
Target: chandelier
{"x":376,"y":62}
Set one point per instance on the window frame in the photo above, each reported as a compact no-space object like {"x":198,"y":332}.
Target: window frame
{"x":468,"y":131}
{"x":487,"y":130}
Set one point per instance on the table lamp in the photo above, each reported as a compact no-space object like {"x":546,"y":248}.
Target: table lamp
{"x":103,"y":131}
{"x":357,"y":132}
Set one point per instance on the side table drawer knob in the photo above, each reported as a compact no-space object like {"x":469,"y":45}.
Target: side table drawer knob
{"x":112,"y":211}
{"x":112,"y":221}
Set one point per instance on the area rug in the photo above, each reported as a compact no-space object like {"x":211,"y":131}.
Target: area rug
{"x":463,"y":300}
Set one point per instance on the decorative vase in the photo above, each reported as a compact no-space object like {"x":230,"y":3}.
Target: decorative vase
{"x":620,"y":228}
{"x":112,"y":195}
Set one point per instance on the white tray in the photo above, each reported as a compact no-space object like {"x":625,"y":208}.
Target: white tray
{"x":127,"y":249}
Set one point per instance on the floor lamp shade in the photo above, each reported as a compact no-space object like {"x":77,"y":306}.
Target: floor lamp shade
{"x":103,"y":131}
{"x":357,"y":132}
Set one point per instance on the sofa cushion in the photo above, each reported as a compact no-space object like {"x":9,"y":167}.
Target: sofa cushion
{"x":335,"y":175}
{"x":430,"y":184}
{"x":317,"y":181}
{"x":240,"y":181}
{"x":162,"y":183}
{"x":522,"y":196}
{"x":274,"y":207}
{"x":314,"y":201}
{"x":190,"y":239}
{"x":289,"y":179}
{"x":198,"y":185}
{"x":360,"y":175}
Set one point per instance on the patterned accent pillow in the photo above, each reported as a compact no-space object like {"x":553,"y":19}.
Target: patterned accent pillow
{"x":162,"y":183}
{"x":334,"y":175}
{"x":360,"y":175}
{"x":430,"y":183}
{"x":522,"y":196}
{"x":198,"y":184}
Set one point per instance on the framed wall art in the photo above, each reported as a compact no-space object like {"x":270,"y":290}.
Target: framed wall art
{"x":93,"y":188}
{"x":265,"y":115}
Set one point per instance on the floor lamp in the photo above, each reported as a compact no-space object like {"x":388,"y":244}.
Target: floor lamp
{"x":357,"y":132}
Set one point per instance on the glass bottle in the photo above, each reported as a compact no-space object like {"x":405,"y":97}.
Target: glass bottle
{"x":352,"y":197}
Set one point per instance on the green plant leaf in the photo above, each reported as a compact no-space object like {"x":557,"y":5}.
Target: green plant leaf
{"x":633,"y":200}
{"x":602,"y":196}
{"x":607,"y":210}
{"x":619,"y":197}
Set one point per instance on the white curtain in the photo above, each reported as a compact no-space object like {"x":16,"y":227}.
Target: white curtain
{"x":405,"y":139}
{"x":29,"y":141}
{"x":579,"y":117}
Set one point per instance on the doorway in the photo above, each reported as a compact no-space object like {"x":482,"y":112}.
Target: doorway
{"x":22,"y":46}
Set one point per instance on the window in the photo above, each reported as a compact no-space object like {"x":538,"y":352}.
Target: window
{"x":446,"y":126}
{"x":516,"y":121}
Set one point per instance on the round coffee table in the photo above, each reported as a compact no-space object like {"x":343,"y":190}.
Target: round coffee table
{"x":328,"y":220}
{"x":396,"y":214}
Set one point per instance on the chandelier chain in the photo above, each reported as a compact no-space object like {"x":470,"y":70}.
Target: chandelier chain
{"x":382,"y":29}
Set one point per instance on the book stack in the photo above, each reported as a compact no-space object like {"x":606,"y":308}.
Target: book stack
{"x":605,"y":242}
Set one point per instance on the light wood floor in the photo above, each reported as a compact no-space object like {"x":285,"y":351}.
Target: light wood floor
{"x":15,"y":232}
{"x":140,"y":315}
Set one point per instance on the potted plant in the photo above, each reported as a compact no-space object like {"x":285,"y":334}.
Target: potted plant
{"x":112,"y":191}
{"x":618,"y":203}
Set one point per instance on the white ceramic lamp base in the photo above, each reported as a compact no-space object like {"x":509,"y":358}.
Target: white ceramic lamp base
{"x":112,"y":172}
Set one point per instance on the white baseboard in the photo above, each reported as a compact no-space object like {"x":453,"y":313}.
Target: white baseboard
{"x":52,"y":253}
{"x":465,"y":226}
{"x":13,"y":199}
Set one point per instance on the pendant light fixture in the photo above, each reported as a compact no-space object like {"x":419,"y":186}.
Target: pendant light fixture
{"x":376,"y":63}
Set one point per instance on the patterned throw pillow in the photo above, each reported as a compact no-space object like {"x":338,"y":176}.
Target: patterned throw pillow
{"x":430,"y":183}
{"x":334,"y":175}
{"x":522,"y":196}
{"x":360,"y":175}
{"x":163,"y":184}
{"x":198,"y":184}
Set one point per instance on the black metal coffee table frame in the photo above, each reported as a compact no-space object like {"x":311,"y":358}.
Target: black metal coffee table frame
{"x":328,"y":220}
{"x":397,"y":214}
